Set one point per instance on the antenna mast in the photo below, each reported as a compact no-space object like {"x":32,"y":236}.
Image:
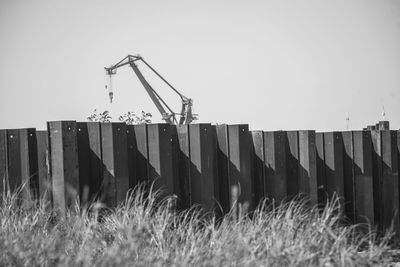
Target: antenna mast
{"x":347,"y":122}
{"x":383,"y":113}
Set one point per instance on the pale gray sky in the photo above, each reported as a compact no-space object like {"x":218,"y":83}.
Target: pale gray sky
{"x":272,"y":64}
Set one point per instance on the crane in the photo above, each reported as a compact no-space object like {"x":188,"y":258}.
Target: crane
{"x":186,"y":114}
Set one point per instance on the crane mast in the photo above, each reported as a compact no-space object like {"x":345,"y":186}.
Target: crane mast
{"x":186,"y":114}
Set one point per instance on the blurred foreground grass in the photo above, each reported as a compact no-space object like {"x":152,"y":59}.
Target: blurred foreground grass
{"x":142,"y":231}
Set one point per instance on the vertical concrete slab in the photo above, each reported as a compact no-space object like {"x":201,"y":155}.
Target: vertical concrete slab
{"x":96,"y":161}
{"x":308,"y":166}
{"x":275,"y":161}
{"x":90,"y":160}
{"x":292,"y":163}
{"x":348,"y":175}
{"x":43,"y":165}
{"x":390,"y":179}
{"x":377,"y":176}
{"x":115,"y":163}
{"x":142,"y":153}
{"x":184,"y":176}
{"x":257,"y":138}
{"x":22,"y":162}
{"x":161,"y":157}
{"x":108,"y":186}
{"x":31,"y":158}
{"x":240,"y":169}
{"x":132,"y":153}
{"x":177,"y":189}
{"x":398,"y":154}
{"x":321,"y":179}
{"x":223,"y":166}
{"x":203,"y":169}
{"x":217,"y":210}
{"x":64,"y":166}
{"x":333,"y":146}
{"x":14,"y":159}
{"x":3,"y":162}
{"x":364,"y":196}
{"x":83,"y":162}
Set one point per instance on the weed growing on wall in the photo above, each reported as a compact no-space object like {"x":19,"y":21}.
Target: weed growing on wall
{"x":129,"y":117}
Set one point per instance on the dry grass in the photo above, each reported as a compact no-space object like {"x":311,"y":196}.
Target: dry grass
{"x":142,"y":232}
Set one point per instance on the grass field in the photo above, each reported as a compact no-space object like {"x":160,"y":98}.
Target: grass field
{"x":141,"y":232}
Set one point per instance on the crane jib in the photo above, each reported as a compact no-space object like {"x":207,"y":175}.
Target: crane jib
{"x":186,"y":111}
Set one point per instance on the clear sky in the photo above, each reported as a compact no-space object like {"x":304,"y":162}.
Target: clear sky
{"x":272,"y":64}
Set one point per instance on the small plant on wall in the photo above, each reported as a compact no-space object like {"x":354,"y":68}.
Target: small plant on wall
{"x":132,"y":118}
{"x":100,"y":117}
{"x":128,"y":118}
